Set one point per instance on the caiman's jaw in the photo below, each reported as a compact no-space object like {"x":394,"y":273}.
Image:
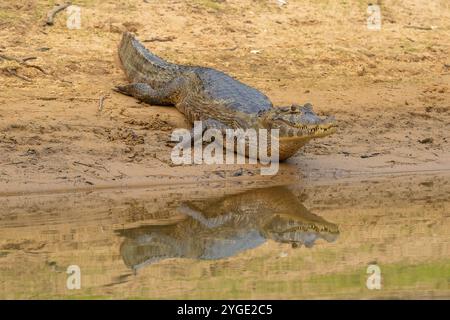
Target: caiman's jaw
{"x":287,"y":229}
{"x":298,"y":122}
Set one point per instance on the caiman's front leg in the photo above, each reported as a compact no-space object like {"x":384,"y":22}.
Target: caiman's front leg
{"x":207,"y":124}
{"x":198,"y":216}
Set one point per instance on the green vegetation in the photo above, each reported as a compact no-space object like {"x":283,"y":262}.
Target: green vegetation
{"x":396,"y":277}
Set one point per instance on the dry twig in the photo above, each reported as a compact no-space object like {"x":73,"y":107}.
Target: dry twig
{"x":420,"y":27}
{"x":101,"y":103}
{"x":52,"y":13}
{"x":14,"y":73}
{"x":160,"y":39}
{"x":23,"y":62}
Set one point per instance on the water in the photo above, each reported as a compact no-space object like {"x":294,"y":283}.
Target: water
{"x":232,"y":241}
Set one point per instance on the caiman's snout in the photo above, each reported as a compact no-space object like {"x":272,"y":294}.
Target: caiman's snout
{"x":298,"y":121}
{"x":326,"y":126}
{"x":286,"y":229}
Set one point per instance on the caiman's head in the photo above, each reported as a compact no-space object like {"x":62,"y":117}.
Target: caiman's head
{"x":297,"y":231}
{"x":297,"y":122}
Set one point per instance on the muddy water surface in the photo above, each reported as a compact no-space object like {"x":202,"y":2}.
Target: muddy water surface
{"x":239,"y":240}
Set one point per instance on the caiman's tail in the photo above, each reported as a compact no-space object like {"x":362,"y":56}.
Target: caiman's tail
{"x":141,"y":65}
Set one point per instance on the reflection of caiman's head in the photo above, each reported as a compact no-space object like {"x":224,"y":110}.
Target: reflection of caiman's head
{"x":287,"y":228}
{"x":220,"y":228}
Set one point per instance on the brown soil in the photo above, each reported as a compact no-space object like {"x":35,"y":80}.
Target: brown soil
{"x":389,"y":90}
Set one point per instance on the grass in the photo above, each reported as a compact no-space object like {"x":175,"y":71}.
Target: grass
{"x":396,"y":277}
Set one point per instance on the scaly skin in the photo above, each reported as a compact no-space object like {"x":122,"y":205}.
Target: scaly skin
{"x":220,"y":228}
{"x":220,"y":101}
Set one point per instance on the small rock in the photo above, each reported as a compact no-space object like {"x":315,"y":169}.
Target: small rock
{"x":426,"y":140}
{"x":361,"y":71}
{"x":427,"y":183}
{"x":220,"y":174}
{"x":364,"y":156}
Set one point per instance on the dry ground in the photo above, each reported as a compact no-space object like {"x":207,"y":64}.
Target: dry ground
{"x":389,"y":90}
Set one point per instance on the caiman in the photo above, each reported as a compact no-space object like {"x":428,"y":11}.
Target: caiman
{"x":221,"y":228}
{"x":215,"y":98}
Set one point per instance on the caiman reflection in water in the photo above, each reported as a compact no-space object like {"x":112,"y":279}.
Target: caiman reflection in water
{"x":221,"y":228}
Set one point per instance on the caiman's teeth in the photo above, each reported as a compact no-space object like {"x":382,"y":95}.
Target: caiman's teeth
{"x":291,"y":132}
